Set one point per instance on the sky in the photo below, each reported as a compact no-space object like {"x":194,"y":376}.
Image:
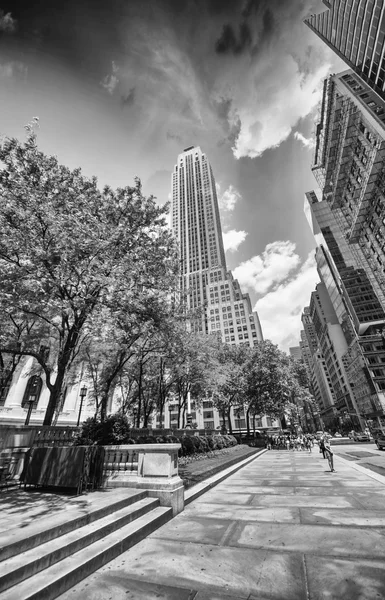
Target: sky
{"x":122,"y":87}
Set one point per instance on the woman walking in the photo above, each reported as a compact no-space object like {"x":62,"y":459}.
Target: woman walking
{"x":329,"y":454}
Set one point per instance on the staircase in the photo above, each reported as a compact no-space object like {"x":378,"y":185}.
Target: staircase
{"x":53,"y":557}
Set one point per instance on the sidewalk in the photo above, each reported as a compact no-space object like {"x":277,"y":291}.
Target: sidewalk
{"x":281,"y":528}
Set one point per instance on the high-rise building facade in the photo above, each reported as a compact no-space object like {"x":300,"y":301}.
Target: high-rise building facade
{"x":355,"y":30}
{"x":347,"y":218}
{"x":295,"y":352}
{"x":205,"y":280}
{"x":349,"y":165}
{"x":208,"y":288}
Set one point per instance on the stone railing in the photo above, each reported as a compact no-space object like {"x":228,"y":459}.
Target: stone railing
{"x":153,"y":467}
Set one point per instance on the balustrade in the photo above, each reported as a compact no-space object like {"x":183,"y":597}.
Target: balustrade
{"x":120,"y":459}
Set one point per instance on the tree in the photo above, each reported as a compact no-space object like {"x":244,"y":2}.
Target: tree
{"x":66,"y":249}
{"x":230,"y":386}
{"x":268,"y":381}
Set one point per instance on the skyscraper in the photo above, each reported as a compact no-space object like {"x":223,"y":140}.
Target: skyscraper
{"x":205,"y":280}
{"x":355,"y":30}
{"x":348,"y":215}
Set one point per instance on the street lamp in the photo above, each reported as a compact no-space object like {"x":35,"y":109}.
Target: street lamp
{"x":82,"y":394}
{"x":31,"y":402}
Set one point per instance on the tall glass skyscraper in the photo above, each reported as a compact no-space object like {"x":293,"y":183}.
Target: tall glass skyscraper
{"x":355,"y":30}
{"x":205,"y":280}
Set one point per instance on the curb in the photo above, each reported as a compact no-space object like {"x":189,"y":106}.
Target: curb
{"x":200,"y":488}
{"x":364,"y":470}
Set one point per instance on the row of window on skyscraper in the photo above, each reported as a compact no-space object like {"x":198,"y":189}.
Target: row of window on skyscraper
{"x":343,"y":340}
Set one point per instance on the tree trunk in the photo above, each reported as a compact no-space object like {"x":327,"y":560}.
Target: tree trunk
{"x":54,"y":397}
{"x":139,"y":392}
{"x":248,"y":421}
{"x":229,"y":420}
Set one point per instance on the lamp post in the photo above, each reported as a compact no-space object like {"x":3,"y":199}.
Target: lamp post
{"x":31,"y":402}
{"x":82,"y":394}
{"x":169,"y":412}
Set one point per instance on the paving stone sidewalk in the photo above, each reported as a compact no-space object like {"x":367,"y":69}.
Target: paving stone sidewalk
{"x":280,"y":528}
{"x":199,"y":470}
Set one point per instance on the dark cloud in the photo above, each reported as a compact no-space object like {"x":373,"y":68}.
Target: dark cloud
{"x":129,"y":99}
{"x":229,"y":42}
{"x":269,"y":27}
{"x":174,"y":136}
{"x":222,"y":108}
{"x":7,"y":23}
{"x":252,"y":6}
{"x":260,"y":22}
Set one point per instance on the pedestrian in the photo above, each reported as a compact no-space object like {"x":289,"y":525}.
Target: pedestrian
{"x":329,"y":454}
{"x":322,"y":446}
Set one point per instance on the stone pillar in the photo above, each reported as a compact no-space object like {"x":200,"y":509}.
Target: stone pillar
{"x":151,"y":467}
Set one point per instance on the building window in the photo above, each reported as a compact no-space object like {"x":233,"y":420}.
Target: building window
{"x":208,"y":414}
{"x":4,"y":387}
{"x":207,"y":404}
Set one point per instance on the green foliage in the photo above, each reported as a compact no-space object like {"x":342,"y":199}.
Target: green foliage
{"x":72,"y":257}
{"x":201,"y":445}
{"x":115,"y":429}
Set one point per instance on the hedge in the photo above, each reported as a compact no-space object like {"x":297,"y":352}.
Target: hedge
{"x":116,"y":430}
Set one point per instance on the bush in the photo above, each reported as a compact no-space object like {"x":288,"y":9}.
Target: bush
{"x":220,"y":442}
{"x":188,"y":446}
{"x":114,"y":430}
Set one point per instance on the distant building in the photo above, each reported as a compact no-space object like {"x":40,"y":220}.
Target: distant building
{"x":207,"y":286}
{"x":205,"y":280}
{"x":355,"y":30}
{"x":296,"y":352}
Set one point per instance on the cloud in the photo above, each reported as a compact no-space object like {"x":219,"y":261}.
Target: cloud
{"x":14,"y":68}
{"x":267,"y":119}
{"x":229,"y":41}
{"x":307,"y":142}
{"x":272,"y":267}
{"x":280,"y":310}
{"x":7,"y":23}
{"x":174,"y":136}
{"x":229,"y":198}
{"x":272,"y":81}
{"x":129,"y":99}
{"x":110,"y":81}
{"x":232,"y":239}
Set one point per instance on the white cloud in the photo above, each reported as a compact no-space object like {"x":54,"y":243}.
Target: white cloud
{"x":280,"y":310}
{"x":270,"y":268}
{"x":229,"y":198}
{"x":7,"y":22}
{"x":111,"y":81}
{"x":14,"y":68}
{"x":232,"y":239}
{"x":267,"y":117}
{"x":307,"y":142}
{"x":272,"y":87}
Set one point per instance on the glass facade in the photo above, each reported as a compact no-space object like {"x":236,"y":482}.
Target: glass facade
{"x":355,"y":30}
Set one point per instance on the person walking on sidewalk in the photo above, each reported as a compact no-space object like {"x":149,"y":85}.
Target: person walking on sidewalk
{"x":329,"y":454}
{"x":322,"y":446}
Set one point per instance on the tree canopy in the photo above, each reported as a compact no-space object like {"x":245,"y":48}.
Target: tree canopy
{"x":70,"y":255}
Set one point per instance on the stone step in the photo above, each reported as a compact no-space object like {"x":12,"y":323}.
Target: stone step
{"x":19,"y":540}
{"x":58,"y":578}
{"x":24,"y":565}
